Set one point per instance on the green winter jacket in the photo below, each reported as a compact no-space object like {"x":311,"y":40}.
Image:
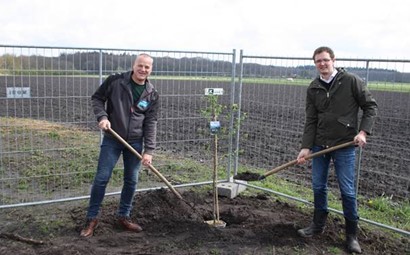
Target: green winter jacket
{"x":332,"y":116}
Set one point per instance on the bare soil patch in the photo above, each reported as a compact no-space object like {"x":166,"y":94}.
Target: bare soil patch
{"x":257,"y":224}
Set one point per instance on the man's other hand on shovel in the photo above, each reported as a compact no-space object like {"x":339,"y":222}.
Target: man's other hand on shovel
{"x":302,"y":154}
{"x":146,"y":159}
{"x":360,"y":139}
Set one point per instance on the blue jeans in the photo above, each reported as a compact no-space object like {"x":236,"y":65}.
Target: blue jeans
{"x":110,"y":152}
{"x":344,"y":162}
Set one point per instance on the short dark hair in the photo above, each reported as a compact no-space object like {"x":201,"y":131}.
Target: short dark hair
{"x":324,"y":49}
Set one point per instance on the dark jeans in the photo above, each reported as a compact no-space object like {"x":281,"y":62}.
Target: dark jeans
{"x":110,"y":152}
{"x":344,"y":163}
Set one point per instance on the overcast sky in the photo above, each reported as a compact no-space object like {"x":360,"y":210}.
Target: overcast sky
{"x":292,"y":28}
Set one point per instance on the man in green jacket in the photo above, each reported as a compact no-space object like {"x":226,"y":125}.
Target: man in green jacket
{"x":333,"y":101}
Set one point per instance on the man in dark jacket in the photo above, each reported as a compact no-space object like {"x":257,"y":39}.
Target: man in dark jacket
{"x":128,"y":104}
{"x":333,"y":101}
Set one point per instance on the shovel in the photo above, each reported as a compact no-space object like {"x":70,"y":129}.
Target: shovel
{"x":151,"y":167}
{"x":257,"y":177}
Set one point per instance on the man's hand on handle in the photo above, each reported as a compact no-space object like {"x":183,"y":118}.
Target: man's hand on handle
{"x":104,"y":124}
{"x":302,"y":154}
{"x":146,"y":159}
{"x":360,"y":139}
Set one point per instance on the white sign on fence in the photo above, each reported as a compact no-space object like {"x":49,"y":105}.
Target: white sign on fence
{"x":214,"y":91}
{"x":18,"y":92}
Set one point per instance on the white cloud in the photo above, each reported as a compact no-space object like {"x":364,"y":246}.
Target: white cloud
{"x":376,"y":29}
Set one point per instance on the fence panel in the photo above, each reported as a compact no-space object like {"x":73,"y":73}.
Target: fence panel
{"x":273,"y":96}
{"x":49,"y":138}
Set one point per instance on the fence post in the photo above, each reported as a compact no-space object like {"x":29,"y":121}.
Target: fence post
{"x":239,"y":111}
{"x":231,"y":121}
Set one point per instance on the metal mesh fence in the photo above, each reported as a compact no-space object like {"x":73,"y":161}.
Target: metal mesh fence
{"x":49,"y":137}
{"x":273,"y":96}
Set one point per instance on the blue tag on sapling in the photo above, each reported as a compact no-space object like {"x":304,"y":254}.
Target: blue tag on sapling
{"x":215,"y":126}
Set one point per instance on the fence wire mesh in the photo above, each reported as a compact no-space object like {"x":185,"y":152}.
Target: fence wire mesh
{"x":273,"y":96}
{"x":49,"y":137}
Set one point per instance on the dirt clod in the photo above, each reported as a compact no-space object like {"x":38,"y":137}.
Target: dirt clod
{"x":247,"y":176}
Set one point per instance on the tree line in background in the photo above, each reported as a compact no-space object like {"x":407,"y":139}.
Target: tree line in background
{"x":89,"y":63}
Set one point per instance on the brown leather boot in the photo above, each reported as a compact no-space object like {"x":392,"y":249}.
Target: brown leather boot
{"x":89,"y":228}
{"x":126,"y":223}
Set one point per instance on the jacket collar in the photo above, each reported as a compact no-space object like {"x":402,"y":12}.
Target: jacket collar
{"x":316,"y":82}
{"x":331,"y":76}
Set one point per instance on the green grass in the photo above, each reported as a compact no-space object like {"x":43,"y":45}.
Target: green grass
{"x":46,"y":156}
{"x":384,"y":209}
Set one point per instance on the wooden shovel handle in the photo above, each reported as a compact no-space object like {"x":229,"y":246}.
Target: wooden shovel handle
{"x":151,"y":167}
{"x":310,"y":156}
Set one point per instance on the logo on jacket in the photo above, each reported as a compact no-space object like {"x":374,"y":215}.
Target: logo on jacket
{"x":142,"y":105}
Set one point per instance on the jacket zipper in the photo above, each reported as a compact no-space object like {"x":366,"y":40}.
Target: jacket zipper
{"x":131,"y":110}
